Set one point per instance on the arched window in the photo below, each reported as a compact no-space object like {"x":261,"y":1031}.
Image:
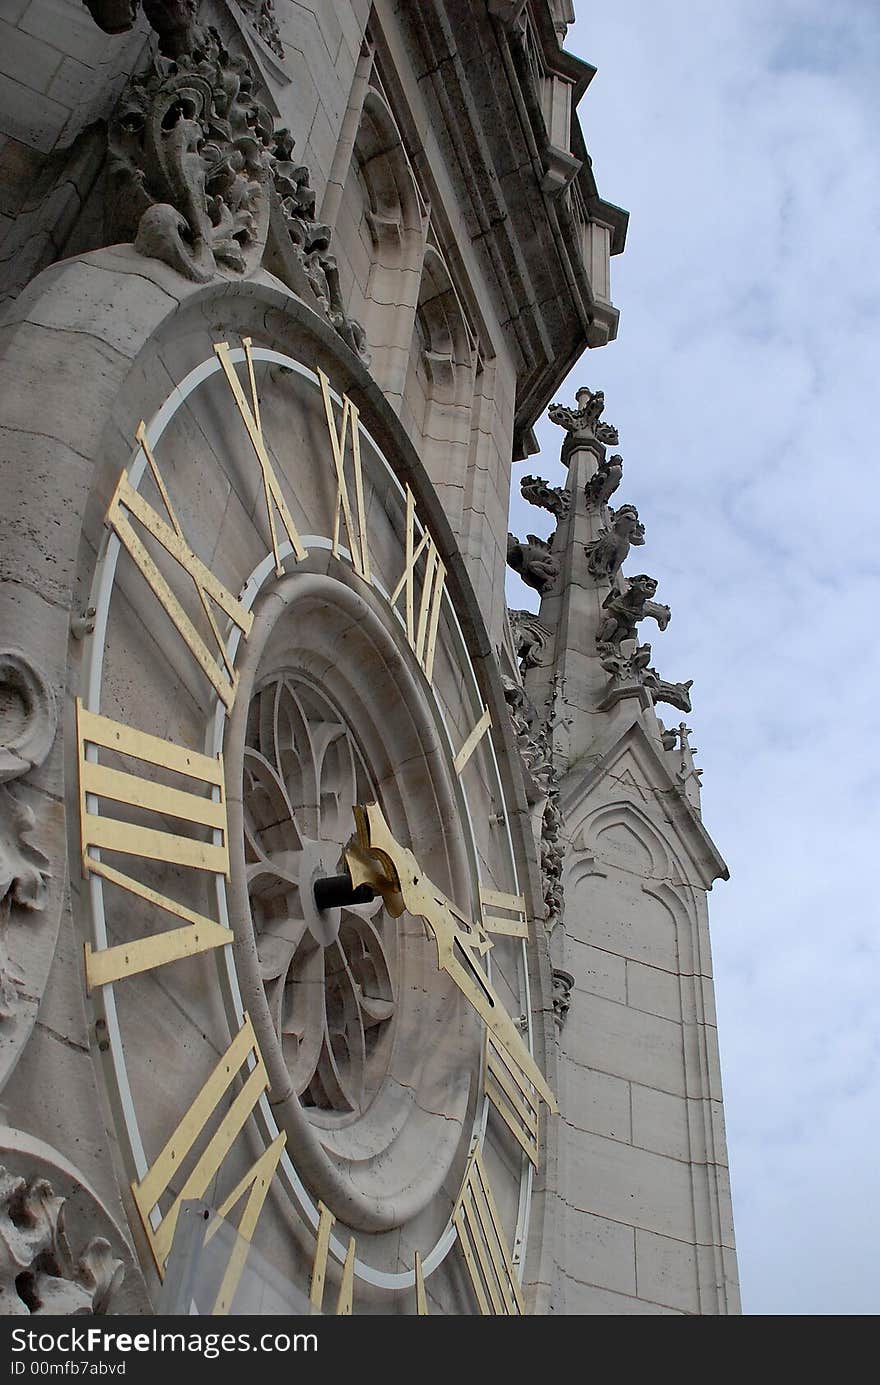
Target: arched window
{"x":379,"y":241}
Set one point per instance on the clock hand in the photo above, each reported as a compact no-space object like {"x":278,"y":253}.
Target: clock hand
{"x":376,"y":859}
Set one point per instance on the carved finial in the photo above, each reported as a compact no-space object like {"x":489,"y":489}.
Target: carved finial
{"x":533,"y":561}
{"x":583,"y":423}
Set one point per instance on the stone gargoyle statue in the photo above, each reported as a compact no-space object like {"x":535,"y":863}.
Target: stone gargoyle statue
{"x":607,"y":554}
{"x":539,"y":492}
{"x":533,"y":561}
{"x":626,"y":608}
{"x":604,"y":481}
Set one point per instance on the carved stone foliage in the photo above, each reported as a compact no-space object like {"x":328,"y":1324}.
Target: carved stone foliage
{"x":261,"y":14}
{"x":626,"y":608}
{"x":61,"y":1251}
{"x":607,"y":554}
{"x":175,"y":21}
{"x":604,"y":481}
{"x":531,"y":639}
{"x":533,"y":562}
{"x":195,"y":166}
{"x":28,"y":717}
{"x":584,"y":423}
{"x":563,"y":983}
{"x":539,"y":492}
{"x":38,"y":1270}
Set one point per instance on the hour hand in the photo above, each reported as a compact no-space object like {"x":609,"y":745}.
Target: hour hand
{"x":377,"y":859}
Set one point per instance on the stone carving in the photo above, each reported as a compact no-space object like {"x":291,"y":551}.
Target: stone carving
{"x":533,"y":561}
{"x":38,"y":1272}
{"x":627,"y":665}
{"x":189,"y":171}
{"x":676,"y":694}
{"x":668,"y":737}
{"x":583,"y":423}
{"x":607,"y":554}
{"x":195,"y":165}
{"x":28,"y":716}
{"x":175,"y":21}
{"x":530,"y":639}
{"x":604,"y":481}
{"x":625,"y":610}
{"x":328,"y":975}
{"x":551,"y":856}
{"x":261,"y":14}
{"x":563,"y":982}
{"x":522,"y":713}
{"x":538,"y":492}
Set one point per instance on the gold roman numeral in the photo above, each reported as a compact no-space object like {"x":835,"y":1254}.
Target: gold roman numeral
{"x":243,"y":1051}
{"x":512,"y":904}
{"x":483,"y":1245}
{"x":319,"y":1267}
{"x":199,"y":933}
{"x":357,"y":535}
{"x":472,"y":741}
{"x":421,"y":632}
{"x":514,"y":1097}
{"x":250,"y":415}
{"x":127,"y":502}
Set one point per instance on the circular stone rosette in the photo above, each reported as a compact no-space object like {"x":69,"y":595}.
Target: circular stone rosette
{"x":370,"y":1049}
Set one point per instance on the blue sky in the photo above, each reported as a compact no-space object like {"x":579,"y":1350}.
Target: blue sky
{"x":745,"y":141}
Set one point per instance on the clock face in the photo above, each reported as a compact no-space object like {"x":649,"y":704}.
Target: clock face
{"x":307,"y":938}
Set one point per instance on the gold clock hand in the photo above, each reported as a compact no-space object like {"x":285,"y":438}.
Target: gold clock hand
{"x":377,"y":859}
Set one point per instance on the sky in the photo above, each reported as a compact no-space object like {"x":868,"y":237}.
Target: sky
{"x":744,"y":139}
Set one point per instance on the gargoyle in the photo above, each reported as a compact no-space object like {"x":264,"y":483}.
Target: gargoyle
{"x":625,"y":610}
{"x":604,"y":481}
{"x":607,"y":554}
{"x":530,"y":638}
{"x":533,"y":561}
{"x":538,"y":492}
{"x":676,"y":694}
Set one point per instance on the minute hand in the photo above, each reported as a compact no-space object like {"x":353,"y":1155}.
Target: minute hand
{"x":378,"y":859}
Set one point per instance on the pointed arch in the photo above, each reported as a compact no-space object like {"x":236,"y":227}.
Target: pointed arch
{"x":379,"y":239}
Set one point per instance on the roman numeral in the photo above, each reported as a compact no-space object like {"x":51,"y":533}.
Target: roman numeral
{"x":319,"y":1267}
{"x":472,"y":741}
{"x":242,"y":1052}
{"x":250,"y":415}
{"x":512,"y":904}
{"x":483,"y":1245}
{"x":421,"y":1296}
{"x":357,"y":534}
{"x":103,"y":831}
{"x":421,"y":632}
{"x":514,"y":1098}
{"x":127,"y":502}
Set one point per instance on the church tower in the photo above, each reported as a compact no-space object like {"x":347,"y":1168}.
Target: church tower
{"x":626,"y":864}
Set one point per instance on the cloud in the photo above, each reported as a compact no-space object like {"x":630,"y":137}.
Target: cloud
{"x":743,"y":139}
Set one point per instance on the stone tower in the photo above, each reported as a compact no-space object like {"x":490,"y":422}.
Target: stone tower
{"x":284,"y":288}
{"x":626,"y":865}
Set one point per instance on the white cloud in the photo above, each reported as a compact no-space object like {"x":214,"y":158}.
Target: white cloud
{"x":743,"y":139}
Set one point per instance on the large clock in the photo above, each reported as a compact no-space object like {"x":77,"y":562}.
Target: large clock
{"x":307,"y":937}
